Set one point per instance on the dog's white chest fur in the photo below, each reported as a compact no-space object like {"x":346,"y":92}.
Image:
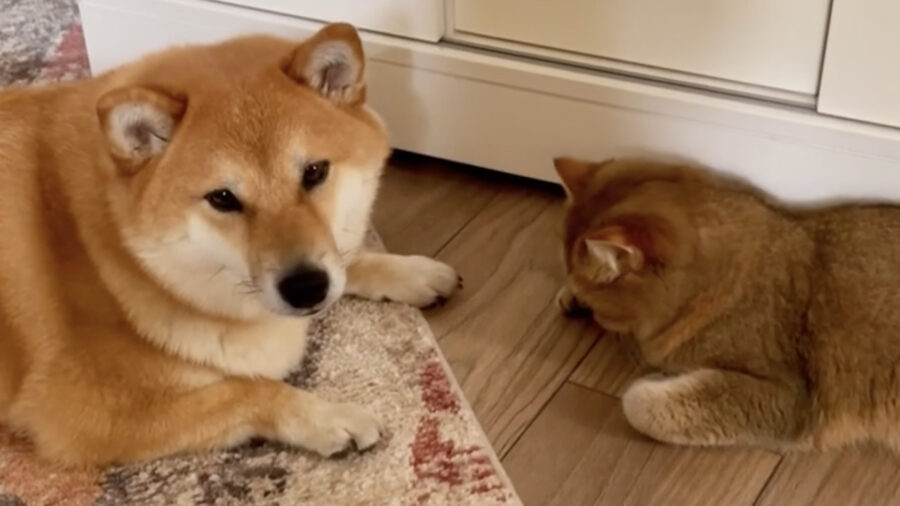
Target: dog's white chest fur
{"x":268,"y":348}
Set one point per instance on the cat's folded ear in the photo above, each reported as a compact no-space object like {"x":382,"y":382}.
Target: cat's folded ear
{"x":610,"y":253}
{"x":628,"y":244}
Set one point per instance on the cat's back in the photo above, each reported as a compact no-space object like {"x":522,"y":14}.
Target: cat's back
{"x":857,"y":264}
{"x":853,"y":320}
{"x":855,"y":310}
{"x":858,"y":242}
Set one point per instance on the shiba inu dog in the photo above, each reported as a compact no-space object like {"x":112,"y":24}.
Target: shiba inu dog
{"x":166,"y":230}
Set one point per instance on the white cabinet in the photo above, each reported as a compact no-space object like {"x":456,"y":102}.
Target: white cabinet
{"x":772,"y":43}
{"x":418,"y":19}
{"x":861,"y":75}
{"x":514,"y":113}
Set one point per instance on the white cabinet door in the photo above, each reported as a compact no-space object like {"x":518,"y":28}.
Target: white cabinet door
{"x":417,"y":19}
{"x":772,"y":43}
{"x":861,"y":75}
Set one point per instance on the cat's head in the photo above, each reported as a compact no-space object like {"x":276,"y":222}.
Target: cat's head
{"x":628,"y":239}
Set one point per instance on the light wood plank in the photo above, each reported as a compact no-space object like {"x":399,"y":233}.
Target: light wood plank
{"x":423,"y":202}
{"x":609,"y":367}
{"x":859,"y":476}
{"x":579,"y":447}
{"x":581,"y":451}
{"x":504,"y":337}
{"x":701,"y":477}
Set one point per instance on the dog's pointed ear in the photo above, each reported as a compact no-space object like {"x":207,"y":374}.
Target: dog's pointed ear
{"x":138,"y":123}
{"x":610,"y":252}
{"x":332,"y":63}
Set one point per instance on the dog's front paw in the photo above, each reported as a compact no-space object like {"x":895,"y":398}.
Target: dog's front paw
{"x":414,"y":279}
{"x":423,"y":282}
{"x":330,"y":429}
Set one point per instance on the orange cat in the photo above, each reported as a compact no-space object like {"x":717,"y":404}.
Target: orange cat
{"x":771,"y":326}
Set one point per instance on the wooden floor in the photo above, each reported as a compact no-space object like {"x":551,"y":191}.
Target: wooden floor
{"x":546,"y":389}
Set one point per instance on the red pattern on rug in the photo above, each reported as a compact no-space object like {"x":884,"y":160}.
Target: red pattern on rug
{"x":69,"y":58}
{"x":437,"y":460}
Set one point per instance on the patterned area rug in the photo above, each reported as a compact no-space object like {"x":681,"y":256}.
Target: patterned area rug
{"x":379,"y":354}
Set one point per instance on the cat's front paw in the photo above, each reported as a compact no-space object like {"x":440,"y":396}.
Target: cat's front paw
{"x":570,"y":305}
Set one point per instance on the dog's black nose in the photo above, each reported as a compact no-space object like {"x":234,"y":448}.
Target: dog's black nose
{"x":304,"y":287}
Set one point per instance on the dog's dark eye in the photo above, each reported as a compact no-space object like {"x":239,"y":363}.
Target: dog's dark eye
{"x":224,"y":201}
{"x":314,"y":173}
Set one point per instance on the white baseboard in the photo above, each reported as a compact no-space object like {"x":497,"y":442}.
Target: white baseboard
{"x":514,"y":114}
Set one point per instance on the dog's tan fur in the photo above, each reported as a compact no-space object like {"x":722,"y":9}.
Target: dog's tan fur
{"x":771,"y":326}
{"x":137,"y":321}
